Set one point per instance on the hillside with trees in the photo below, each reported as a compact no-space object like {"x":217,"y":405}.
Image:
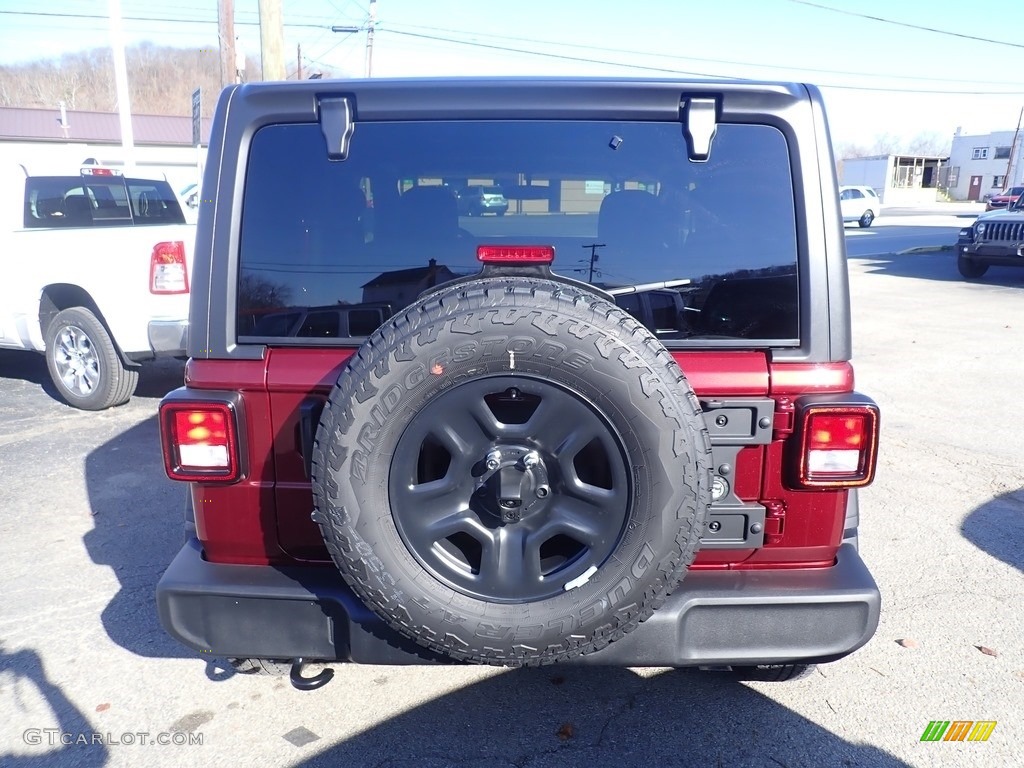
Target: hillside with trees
{"x":161,"y":80}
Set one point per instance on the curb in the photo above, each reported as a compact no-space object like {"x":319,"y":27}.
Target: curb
{"x":925,"y":249}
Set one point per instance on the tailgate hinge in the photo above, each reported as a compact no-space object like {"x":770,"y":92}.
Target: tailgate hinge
{"x":700,"y":121}
{"x":337,"y":123}
{"x":785,"y":418}
{"x":774,"y":521}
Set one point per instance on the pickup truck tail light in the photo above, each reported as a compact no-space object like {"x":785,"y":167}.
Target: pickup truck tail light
{"x":836,"y":444}
{"x":168,"y":272}
{"x":200,"y":442}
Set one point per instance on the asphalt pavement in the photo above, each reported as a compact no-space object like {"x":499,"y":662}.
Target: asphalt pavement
{"x":88,"y":522}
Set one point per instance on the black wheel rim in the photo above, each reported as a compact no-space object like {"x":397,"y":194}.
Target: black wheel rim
{"x":510,"y":489}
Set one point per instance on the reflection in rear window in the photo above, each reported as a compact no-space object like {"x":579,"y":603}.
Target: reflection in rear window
{"x":712,"y":246}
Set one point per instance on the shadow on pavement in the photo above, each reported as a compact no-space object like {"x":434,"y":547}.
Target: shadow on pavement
{"x":937,"y":265}
{"x":43,"y":739}
{"x":997,"y":527}
{"x":156,"y":377}
{"x":594,"y":717}
{"x":137,"y":518}
{"x":29,"y":367}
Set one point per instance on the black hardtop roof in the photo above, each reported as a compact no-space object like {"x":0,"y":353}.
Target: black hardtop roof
{"x":519,"y":97}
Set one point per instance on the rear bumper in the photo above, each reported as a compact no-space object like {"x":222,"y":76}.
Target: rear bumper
{"x":167,"y":338}
{"x":713,"y":618}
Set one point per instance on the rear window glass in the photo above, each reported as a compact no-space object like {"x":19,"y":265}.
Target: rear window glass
{"x":76,"y":201}
{"x":695,"y":251}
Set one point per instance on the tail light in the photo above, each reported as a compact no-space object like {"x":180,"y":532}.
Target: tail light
{"x":168,"y":272}
{"x":200,"y":441}
{"x":515,"y":254}
{"x":836,"y":444}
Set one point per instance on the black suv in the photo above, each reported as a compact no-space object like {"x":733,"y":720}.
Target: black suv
{"x":512,"y":468}
{"x":996,"y":238}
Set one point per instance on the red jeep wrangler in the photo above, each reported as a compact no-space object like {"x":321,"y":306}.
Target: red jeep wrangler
{"x":616,"y":425}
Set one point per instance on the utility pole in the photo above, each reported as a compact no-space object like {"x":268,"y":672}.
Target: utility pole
{"x":298,"y":61}
{"x":1007,"y":180}
{"x":271,"y":40}
{"x":593,"y":260}
{"x":239,"y":62}
{"x":124,"y":106}
{"x":370,"y":24}
{"x":226,"y":34}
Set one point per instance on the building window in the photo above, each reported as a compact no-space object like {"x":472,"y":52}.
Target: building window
{"x":1002,"y":153}
{"x":979,"y":153}
{"x":954,"y":176}
{"x":997,"y":182}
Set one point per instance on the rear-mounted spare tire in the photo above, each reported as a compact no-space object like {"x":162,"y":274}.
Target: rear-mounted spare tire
{"x":512,"y":471}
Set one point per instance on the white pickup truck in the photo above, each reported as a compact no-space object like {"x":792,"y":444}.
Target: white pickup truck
{"x":96,"y":271}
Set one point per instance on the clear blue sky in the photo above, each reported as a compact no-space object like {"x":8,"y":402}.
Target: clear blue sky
{"x":879,"y":77}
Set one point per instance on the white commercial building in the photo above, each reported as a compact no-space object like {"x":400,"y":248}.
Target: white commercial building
{"x":984,"y":164}
{"x":896,"y":179}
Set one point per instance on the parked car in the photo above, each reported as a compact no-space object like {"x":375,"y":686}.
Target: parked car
{"x":996,"y":238}
{"x":189,"y":195}
{"x":1004,"y":198}
{"x":476,"y":201}
{"x":859,"y":204}
{"x":511,"y":469}
{"x":188,"y":198}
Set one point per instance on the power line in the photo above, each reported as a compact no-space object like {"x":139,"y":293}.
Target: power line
{"x":561,"y":56}
{"x":339,"y":9}
{"x":145,"y":5}
{"x":667,"y":70}
{"x":906,"y":24}
{"x":150,"y":18}
{"x":320,"y":57}
{"x":630,"y":52}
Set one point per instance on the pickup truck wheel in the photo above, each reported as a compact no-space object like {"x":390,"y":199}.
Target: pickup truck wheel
{"x":513,"y":472}
{"x":84,"y":364}
{"x":970,"y":268}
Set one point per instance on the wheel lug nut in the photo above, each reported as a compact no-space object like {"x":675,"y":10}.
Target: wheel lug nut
{"x":531,"y":459}
{"x":542,"y":492}
{"x":493,"y":459}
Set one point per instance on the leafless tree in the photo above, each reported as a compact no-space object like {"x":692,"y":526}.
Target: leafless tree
{"x":929,"y":144}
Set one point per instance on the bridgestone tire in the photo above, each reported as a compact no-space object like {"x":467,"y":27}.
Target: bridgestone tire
{"x":589,"y":357}
{"x":84,"y":364}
